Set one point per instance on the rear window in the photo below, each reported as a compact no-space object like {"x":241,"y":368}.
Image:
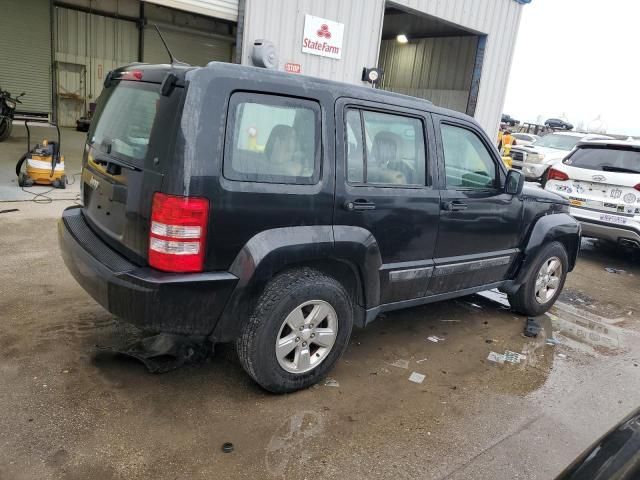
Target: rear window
{"x":124,"y":120}
{"x":606,"y":159}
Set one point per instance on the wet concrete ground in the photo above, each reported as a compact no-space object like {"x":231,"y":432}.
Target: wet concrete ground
{"x":69,"y":412}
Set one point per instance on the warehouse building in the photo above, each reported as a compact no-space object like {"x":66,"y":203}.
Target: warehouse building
{"x":456,"y":53}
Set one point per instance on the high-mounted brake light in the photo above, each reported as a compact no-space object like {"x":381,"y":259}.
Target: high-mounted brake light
{"x":557,"y":175}
{"x":178,"y":232}
{"x":135,"y":75}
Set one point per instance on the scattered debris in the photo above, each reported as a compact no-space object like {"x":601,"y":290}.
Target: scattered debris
{"x":331,"y":383}
{"x":9,"y":210}
{"x":450,"y":321}
{"x":562,"y":355}
{"x":164,"y":352}
{"x":552,"y":341}
{"x":475,"y":305}
{"x":615,"y":270}
{"x":400,"y":363}
{"x":532,"y":328}
{"x":227,"y":447}
{"x":416,"y":377}
{"x":434,"y":339}
{"x":421,"y":361}
{"x":490,"y":340}
{"x":496,"y":357}
{"x":513,"y":357}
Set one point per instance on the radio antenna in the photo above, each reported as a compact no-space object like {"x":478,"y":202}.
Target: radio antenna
{"x":174,"y":60}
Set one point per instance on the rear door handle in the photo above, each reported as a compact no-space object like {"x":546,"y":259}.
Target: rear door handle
{"x":454,"y":206}
{"x":359,"y":204}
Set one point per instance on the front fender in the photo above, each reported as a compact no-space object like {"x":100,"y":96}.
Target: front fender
{"x":272,"y":251}
{"x":559,"y":227}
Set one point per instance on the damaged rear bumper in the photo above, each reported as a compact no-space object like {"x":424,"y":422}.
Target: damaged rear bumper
{"x":152,"y":300}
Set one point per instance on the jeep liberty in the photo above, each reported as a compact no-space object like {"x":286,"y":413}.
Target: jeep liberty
{"x":277,"y":211}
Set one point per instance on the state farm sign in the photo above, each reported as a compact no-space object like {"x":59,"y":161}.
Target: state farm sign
{"x":322,"y":37}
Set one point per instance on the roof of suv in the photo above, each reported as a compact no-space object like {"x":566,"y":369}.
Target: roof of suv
{"x":339,"y":89}
{"x":585,"y":136}
{"x":631,"y":145}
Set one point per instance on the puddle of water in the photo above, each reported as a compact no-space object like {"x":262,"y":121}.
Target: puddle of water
{"x":496,"y":296}
{"x":587,"y":328}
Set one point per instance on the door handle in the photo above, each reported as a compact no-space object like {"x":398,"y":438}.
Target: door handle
{"x":360,"y":204}
{"x":454,"y":206}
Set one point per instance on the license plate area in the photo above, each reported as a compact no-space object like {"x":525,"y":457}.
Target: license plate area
{"x":605,"y":217}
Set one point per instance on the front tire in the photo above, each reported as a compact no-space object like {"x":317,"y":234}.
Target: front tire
{"x":545,"y":283}
{"x":5,"y":129}
{"x":299,"y":328}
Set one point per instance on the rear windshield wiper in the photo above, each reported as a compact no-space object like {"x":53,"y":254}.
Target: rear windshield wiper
{"x":609,"y":168}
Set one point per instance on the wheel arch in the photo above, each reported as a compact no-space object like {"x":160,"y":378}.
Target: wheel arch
{"x":349,"y":254}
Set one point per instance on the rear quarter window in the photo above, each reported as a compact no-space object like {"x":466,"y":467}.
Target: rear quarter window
{"x":272,"y":139}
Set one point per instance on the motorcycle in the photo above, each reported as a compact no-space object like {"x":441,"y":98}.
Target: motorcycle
{"x":7,"y":111}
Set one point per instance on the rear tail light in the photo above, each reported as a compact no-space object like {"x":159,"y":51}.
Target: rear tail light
{"x":135,"y":75}
{"x":557,"y":175}
{"x":178,"y":233}
{"x":637,"y":187}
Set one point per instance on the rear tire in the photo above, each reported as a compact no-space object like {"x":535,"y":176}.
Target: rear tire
{"x":5,"y":129}
{"x":545,"y":281}
{"x":278,"y":348}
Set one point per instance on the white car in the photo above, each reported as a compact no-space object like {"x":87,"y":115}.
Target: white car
{"x":601,"y":180}
{"x":534,"y":160}
{"x":525,"y":138}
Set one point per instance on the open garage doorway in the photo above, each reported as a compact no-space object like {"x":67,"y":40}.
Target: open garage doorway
{"x":425,"y":57}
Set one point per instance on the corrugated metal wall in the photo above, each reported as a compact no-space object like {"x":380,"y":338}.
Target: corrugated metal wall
{"x":282,"y":21}
{"x":499,"y":20}
{"x":225,"y":9}
{"x":87,"y":47}
{"x":438,"y":69}
{"x":25,"y":52}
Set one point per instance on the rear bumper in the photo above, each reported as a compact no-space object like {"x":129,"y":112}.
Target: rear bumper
{"x":157,"y":301}
{"x":592,"y":226}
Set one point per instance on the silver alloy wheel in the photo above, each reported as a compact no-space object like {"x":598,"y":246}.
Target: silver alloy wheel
{"x":548,"y":280}
{"x":306,"y":336}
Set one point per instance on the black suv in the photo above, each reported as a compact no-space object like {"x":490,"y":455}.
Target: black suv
{"x":509,"y":120}
{"x":240,"y":204}
{"x":558,"y":123}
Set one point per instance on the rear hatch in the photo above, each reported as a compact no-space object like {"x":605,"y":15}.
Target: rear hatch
{"x":603,"y":178}
{"x":128,"y":146}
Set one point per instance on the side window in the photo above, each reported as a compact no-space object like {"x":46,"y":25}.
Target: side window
{"x":272,"y":140}
{"x":468,"y":164}
{"x":389,"y":150}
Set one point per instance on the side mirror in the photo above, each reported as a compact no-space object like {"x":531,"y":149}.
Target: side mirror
{"x":514,"y":183}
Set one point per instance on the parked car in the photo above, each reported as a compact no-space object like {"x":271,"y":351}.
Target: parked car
{"x":601,"y":180}
{"x":558,"y":123}
{"x":509,"y":120}
{"x":525,"y":138}
{"x":241,"y":204}
{"x":535,"y":159}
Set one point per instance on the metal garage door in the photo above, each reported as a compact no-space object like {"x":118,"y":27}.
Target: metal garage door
{"x":225,"y":9}
{"x":194,"y":48}
{"x":25,"y":52}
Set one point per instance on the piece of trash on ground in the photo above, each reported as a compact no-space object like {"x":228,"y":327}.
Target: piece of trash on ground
{"x":475,"y":305}
{"x":331,"y":383}
{"x":513,"y":357}
{"x":435,"y":339}
{"x":450,"y":320}
{"x":552,"y":341}
{"x":615,"y":270}
{"x":532,"y":328}
{"x":562,"y":355}
{"x":227,"y":447}
{"x":400,"y":363}
{"x":9,"y":210}
{"x":416,"y":377}
{"x":496,"y":357}
{"x":421,"y":361}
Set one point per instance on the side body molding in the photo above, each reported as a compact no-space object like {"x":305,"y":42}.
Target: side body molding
{"x":275,"y":250}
